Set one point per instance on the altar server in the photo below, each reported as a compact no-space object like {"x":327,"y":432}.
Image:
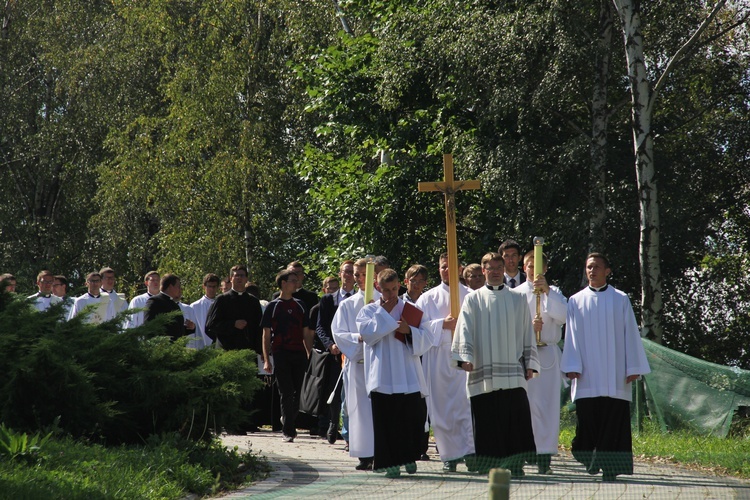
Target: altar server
{"x":603,"y":355}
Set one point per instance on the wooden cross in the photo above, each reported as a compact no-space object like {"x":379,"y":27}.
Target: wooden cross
{"x":448,"y":187}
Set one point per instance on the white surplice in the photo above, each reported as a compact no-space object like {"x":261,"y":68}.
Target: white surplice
{"x":603,"y":344}
{"x":42,"y":303}
{"x":200,"y":312}
{"x":98,"y":304}
{"x":494,"y":333}
{"x":138,"y":302}
{"x":347,"y":338}
{"x":544,"y":391}
{"x":392,"y":366}
{"x":116,"y":304}
{"x":448,"y":405}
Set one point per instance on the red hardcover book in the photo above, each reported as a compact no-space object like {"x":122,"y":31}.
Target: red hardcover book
{"x":413,"y":317}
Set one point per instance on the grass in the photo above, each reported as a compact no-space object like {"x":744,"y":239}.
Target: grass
{"x":728,"y":457}
{"x":165,"y":468}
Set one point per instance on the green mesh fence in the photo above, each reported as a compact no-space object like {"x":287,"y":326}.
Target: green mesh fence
{"x":683,"y":392}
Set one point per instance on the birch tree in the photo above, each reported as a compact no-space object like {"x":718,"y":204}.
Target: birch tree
{"x":644,"y":93}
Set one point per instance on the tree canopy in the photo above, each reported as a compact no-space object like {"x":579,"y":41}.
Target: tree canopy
{"x":191,"y":136}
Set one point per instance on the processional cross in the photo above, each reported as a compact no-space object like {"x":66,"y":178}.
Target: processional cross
{"x":449,"y":187}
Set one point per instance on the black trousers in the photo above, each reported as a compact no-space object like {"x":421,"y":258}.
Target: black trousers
{"x":398,"y":425}
{"x":603,"y":439}
{"x":503,"y":436}
{"x":289,"y":369}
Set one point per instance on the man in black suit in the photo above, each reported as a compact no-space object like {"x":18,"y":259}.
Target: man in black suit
{"x":324,"y":340}
{"x":234,"y":321}
{"x":165,"y":302}
{"x":511,"y":253}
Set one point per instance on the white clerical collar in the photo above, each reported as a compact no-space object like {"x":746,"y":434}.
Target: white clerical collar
{"x":93,"y":296}
{"x":495,"y":287}
{"x":598,"y":289}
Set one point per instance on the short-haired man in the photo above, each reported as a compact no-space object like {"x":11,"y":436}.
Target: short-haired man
{"x":324,"y":341}
{"x":152,"y":280}
{"x":544,"y":390}
{"x":226,"y":284}
{"x":286,"y":335}
{"x":44,"y":298}
{"x":321,"y":377}
{"x":93,"y":299}
{"x":394,"y":378}
{"x":349,"y":341}
{"x":448,"y":406}
{"x":308,"y":297}
{"x":415,"y":281}
{"x":116,"y":304}
{"x":510,"y":251}
{"x":494,"y":341}
{"x":603,"y":355}
{"x":473,"y":276}
{"x":234,"y":317}
{"x":60,"y":289}
{"x":200,"y":307}
{"x":10,"y":282}
{"x":166,"y":301}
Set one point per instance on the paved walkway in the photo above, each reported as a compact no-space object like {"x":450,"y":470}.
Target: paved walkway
{"x":311,"y":468}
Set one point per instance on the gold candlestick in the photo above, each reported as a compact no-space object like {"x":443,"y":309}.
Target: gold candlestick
{"x":538,"y":269}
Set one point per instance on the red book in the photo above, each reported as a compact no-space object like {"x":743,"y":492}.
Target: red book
{"x":413,"y":317}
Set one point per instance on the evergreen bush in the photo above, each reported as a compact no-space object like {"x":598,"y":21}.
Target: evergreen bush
{"x":117,"y":385}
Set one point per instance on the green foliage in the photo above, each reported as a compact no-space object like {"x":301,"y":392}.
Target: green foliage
{"x":14,"y":445}
{"x":166,"y":467}
{"x":728,"y":456}
{"x":121,"y":386}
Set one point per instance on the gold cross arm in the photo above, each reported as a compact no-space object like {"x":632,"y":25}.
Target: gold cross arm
{"x":449,"y":187}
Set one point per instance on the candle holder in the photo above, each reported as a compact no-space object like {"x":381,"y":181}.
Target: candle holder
{"x":538,"y":258}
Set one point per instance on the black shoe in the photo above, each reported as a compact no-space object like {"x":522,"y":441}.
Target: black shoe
{"x":609,"y":477}
{"x":517,"y":473}
{"x":314,"y":432}
{"x":424,"y":457}
{"x":364,"y":464}
{"x":472,"y":464}
{"x":332,"y":434}
{"x":450,"y":465}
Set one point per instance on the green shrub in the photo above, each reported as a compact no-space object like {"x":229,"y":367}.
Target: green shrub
{"x":14,"y":445}
{"x":115,"y":385}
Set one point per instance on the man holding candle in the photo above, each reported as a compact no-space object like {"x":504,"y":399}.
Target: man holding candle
{"x":603,"y":355}
{"x":544,"y":390}
{"x":448,"y":406}
{"x":349,"y":341}
{"x":494,"y":342}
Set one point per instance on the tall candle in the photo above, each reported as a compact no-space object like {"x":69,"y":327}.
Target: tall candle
{"x":369,"y":280}
{"x":538,"y":257}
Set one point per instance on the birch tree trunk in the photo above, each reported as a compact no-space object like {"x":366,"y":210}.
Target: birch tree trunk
{"x":643,"y":97}
{"x":641,"y":114}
